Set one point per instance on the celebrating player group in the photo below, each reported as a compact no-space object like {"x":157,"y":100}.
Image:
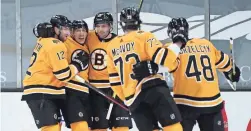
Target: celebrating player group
{"x":76,"y":73}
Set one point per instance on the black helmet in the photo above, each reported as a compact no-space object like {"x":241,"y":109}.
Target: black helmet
{"x":60,"y":20}
{"x":129,"y":18}
{"x":79,"y":24}
{"x":103,"y":17}
{"x":178,"y":24}
{"x":43,"y":30}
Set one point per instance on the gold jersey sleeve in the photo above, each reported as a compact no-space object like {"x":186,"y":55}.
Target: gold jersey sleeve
{"x":57,"y":56}
{"x":98,"y":74}
{"x":125,"y":51}
{"x":72,"y":48}
{"x":195,"y":80}
{"x":48,"y":70}
{"x":222,"y":61}
{"x":162,"y":55}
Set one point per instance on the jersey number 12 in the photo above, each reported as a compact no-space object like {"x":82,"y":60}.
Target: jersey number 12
{"x":34,"y":56}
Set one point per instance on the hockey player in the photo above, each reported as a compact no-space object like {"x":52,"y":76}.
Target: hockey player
{"x":97,"y":42}
{"x":150,"y":97}
{"x":75,"y":108}
{"x":48,"y":73}
{"x":196,"y":89}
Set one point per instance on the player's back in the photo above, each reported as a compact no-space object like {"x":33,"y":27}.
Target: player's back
{"x":39,"y":71}
{"x":197,"y":63}
{"x":196,"y":80}
{"x":127,"y":50}
{"x":40,"y":77}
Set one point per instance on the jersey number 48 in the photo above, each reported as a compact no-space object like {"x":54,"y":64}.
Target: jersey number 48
{"x":201,"y":70}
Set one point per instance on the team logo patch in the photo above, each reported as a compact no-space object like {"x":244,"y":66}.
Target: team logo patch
{"x":219,"y":123}
{"x":37,"y":122}
{"x":172,"y":116}
{"x":98,"y":59}
{"x":55,"y":116}
{"x":80,"y":114}
{"x":96,"y":118}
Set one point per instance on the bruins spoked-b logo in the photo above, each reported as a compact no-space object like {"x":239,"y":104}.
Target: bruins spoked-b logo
{"x":98,"y":59}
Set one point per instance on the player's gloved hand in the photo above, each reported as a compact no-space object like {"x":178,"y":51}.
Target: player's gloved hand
{"x":233,"y":77}
{"x":178,"y":31}
{"x":144,"y":69}
{"x":80,"y":60}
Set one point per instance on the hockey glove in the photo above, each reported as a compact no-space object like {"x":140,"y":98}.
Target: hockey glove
{"x":144,"y":69}
{"x":80,"y":60}
{"x":233,"y":77}
{"x":178,"y":31}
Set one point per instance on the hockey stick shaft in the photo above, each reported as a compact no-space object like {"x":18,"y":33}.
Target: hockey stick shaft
{"x":101,"y":93}
{"x":231,"y":41}
{"x":232,"y":52}
{"x":110,"y":108}
{"x":140,"y":4}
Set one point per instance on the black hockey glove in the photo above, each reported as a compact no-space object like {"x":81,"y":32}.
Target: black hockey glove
{"x":233,"y":77}
{"x":80,"y":60}
{"x":144,"y":69}
{"x":178,"y":31}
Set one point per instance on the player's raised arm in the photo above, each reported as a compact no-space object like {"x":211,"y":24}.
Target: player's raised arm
{"x":224,"y":64}
{"x":223,"y":61}
{"x":167,"y":57}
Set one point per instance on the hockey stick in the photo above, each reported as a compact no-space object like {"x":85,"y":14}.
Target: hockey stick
{"x":100,"y":92}
{"x":110,"y":108}
{"x":231,"y":85}
{"x":232,"y":54}
{"x":140,"y":5}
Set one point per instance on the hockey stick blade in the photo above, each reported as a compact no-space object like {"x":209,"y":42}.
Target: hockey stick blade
{"x":230,"y":83}
{"x":101,"y":93}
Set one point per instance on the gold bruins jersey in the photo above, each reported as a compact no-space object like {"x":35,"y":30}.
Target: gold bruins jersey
{"x":48,"y":70}
{"x":98,"y":74}
{"x":72,"y":48}
{"x":127,"y":50}
{"x":195,"y":80}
